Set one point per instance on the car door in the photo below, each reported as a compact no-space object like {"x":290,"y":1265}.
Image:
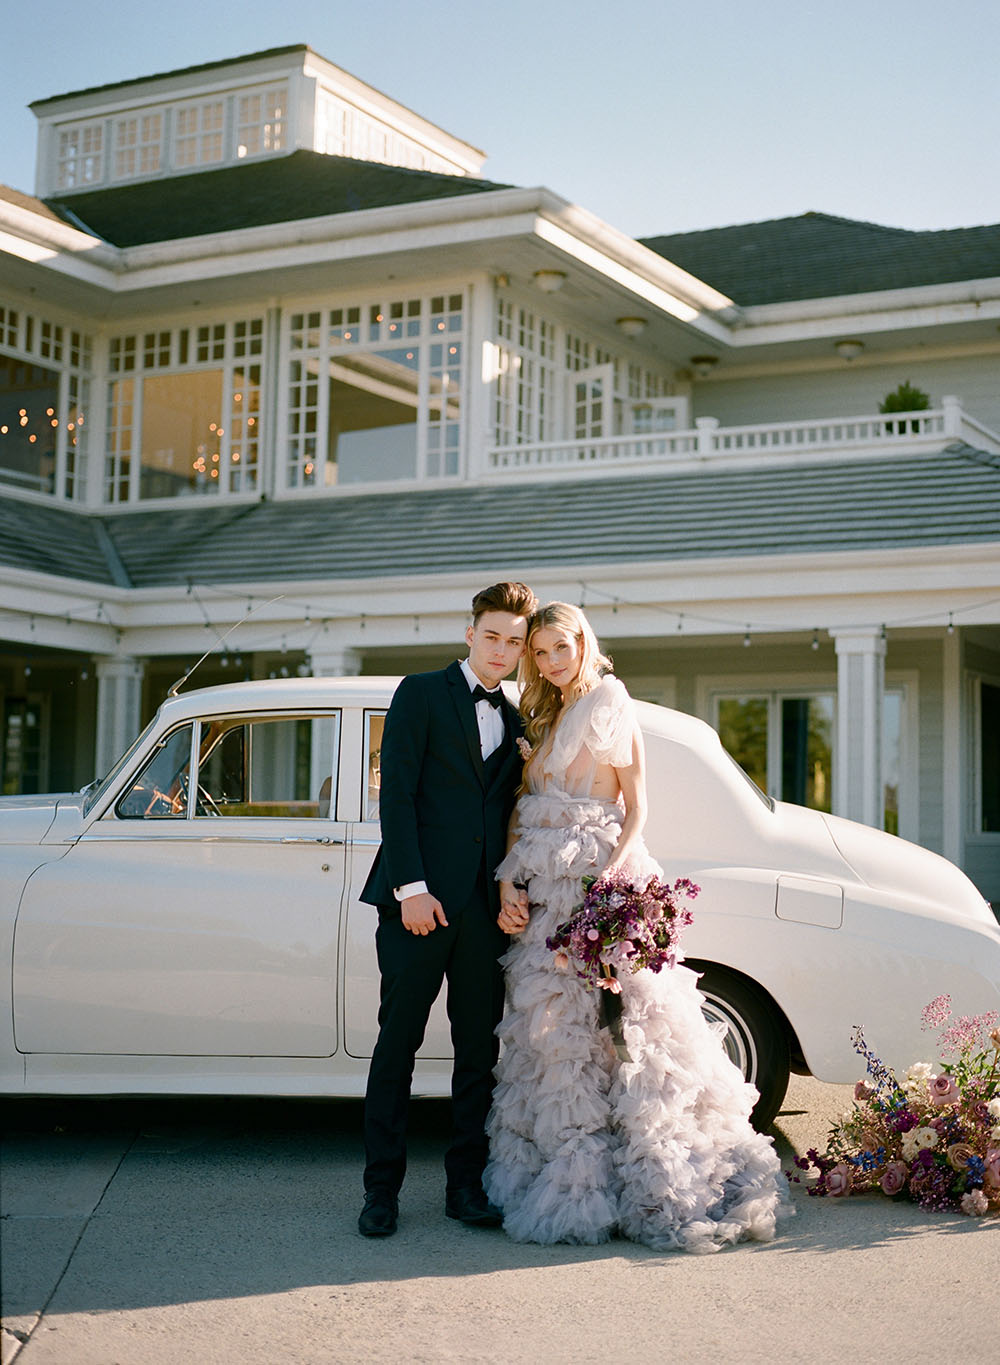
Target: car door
{"x":361,"y":985}
{"x":199,"y":914}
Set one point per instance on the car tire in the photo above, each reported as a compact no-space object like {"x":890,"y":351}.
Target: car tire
{"x":755,"y":1039}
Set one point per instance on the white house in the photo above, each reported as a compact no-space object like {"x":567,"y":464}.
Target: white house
{"x":272,"y":348}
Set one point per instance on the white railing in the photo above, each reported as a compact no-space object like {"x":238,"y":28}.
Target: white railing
{"x":903,"y":432}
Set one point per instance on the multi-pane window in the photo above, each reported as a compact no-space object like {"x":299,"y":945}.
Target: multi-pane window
{"x":785,"y":741}
{"x":199,"y":134}
{"x":525,"y":383}
{"x":184,"y":411}
{"x":138,"y":141}
{"x":343,"y":130}
{"x":260,"y":122}
{"x":44,"y":392}
{"x":375,"y":392}
{"x":80,"y":156}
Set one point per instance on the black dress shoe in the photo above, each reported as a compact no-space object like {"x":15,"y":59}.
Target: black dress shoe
{"x":471,"y":1207}
{"x":379,"y":1215}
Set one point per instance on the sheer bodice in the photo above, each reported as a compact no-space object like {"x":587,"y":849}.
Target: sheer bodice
{"x":598,"y":728}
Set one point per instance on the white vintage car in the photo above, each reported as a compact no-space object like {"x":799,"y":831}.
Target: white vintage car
{"x":192,"y":923}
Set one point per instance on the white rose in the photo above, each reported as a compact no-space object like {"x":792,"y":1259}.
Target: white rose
{"x":915,"y":1080}
{"x":994,"y":1106}
{"x":927,"y":1137}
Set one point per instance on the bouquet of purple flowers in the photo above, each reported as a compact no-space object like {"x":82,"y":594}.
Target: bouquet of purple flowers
{"x":621,"y":923}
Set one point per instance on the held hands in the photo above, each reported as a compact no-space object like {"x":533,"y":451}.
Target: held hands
{"x":513,"y":917}
{"x":422,"y":913}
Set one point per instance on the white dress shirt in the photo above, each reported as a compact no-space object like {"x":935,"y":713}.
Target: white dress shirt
{"x":490,"y":722}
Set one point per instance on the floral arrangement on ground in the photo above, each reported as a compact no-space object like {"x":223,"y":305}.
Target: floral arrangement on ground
{"x":932,"y":1137}
{"x":622,"y":924}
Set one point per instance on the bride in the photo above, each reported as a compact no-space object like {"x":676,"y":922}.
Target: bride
{"x":658,"y":1148}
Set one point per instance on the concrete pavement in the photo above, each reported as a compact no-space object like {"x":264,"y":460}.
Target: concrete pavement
{"x":217,"y":1232}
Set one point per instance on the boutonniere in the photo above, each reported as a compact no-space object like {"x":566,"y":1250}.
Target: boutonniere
{"x":523,"y":748}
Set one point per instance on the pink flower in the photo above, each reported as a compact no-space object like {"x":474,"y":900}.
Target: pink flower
{"x":935,"y":1014}
{"x":943,"y":1090}
{"x":995,"y":1038}
{"x":894,"y":1177}
{"x":862,"y":1092}
{"x":975,"y":1204}
{"x":593,"y":935}
{"x":561,"y":960}
{"x":840,"y":1180}
{"x":992,"y":1172}
{"x":523,"y":748}
{"x":610,"y":983}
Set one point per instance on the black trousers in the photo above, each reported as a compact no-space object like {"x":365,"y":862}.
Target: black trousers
{"x":412,"y":967}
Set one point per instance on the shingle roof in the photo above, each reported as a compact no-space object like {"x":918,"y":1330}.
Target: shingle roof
{"x":817,"y":256}
{"x":948,"y":498}
{"x":281,"y":189}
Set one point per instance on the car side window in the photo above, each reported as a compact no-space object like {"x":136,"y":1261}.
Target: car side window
{"x":372,"y":783}
{"x":278,"y":767}
{"x":160,"y":789}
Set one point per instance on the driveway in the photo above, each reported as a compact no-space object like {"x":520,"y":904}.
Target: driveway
{"x":147,"y":1233}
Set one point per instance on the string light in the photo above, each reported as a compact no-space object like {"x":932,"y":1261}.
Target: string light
{"x":815,"y":639}
{"x":746,"y":638}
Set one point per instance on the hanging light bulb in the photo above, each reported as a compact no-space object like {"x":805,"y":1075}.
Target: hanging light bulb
{"x":815,"y":640}
{"x":746,"y":638}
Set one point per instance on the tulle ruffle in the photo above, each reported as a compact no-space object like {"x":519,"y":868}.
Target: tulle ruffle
{"x":582,"y":1147}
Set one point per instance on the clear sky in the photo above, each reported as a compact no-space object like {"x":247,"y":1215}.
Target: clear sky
{"x":658,"y":115}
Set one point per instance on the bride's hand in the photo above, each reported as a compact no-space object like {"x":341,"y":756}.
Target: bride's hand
{"x":513,"y":917}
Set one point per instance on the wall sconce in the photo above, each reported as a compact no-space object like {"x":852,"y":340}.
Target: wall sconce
{"x":550,"y":281}
{"x":631,"y":327}
{"x":703,"y":365}
{"x":847,"y":350}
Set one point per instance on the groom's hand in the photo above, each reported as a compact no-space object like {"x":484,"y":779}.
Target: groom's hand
{"x":422,"y":914}
{"x":513,"y":917}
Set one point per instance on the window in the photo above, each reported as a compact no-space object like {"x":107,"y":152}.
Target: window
{"x":261,"y":123}
{"x":988,"y":756}
{"x":184,"y":412}
{"x":375,"y":721}
{"x":785,"y":741}
{"x":138,"y":145}
{"x":29,"y":400}
{"x":261,"y":767}
{"x":44,"y":391}
{"x":375,"y":392}
{"x":80,"y":159}
{"x":198,"y":139}
{"x":24,"y":760}
{"x":525,"y":376}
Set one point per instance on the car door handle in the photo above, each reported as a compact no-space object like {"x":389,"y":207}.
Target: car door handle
{"x":317,"y":839}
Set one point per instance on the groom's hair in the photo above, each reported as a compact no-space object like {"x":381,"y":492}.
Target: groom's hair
{"x":516,"y":598}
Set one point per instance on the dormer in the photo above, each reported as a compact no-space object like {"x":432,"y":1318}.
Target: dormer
{"x":223,"y":113}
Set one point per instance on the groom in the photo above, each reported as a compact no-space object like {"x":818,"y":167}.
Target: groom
{"x":450,"y":770}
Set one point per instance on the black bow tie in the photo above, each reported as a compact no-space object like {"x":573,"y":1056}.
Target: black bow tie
{"x":479,"y":693}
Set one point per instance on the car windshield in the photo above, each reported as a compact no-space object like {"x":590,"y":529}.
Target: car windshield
{"x":94,"y":791}
{"x":763,"y":796}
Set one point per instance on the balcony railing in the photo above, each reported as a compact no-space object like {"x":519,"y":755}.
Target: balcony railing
{"x":708,"y":441}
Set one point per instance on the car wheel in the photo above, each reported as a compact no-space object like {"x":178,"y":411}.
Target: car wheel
{"x":754,"y":1040}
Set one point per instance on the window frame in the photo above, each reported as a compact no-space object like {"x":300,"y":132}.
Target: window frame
{"x":975,"y":831}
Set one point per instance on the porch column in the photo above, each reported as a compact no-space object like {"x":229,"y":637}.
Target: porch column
{"x":858,"y":791}
{"x":119,"y":695}
{"x":335,"y":661}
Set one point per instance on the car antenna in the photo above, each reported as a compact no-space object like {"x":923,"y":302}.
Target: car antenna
{"x":174,"y":688}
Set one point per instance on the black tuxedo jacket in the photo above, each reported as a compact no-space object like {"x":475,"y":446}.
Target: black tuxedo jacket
{"x":440,"y":815}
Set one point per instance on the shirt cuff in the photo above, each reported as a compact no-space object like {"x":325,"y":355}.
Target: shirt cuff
{"x":410,"y":889}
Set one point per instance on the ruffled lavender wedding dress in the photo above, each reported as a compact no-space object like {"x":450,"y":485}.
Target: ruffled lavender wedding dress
{"x":658,"y":1149}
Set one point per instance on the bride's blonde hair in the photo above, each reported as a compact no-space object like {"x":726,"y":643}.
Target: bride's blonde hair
{"x":541,"y":701}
